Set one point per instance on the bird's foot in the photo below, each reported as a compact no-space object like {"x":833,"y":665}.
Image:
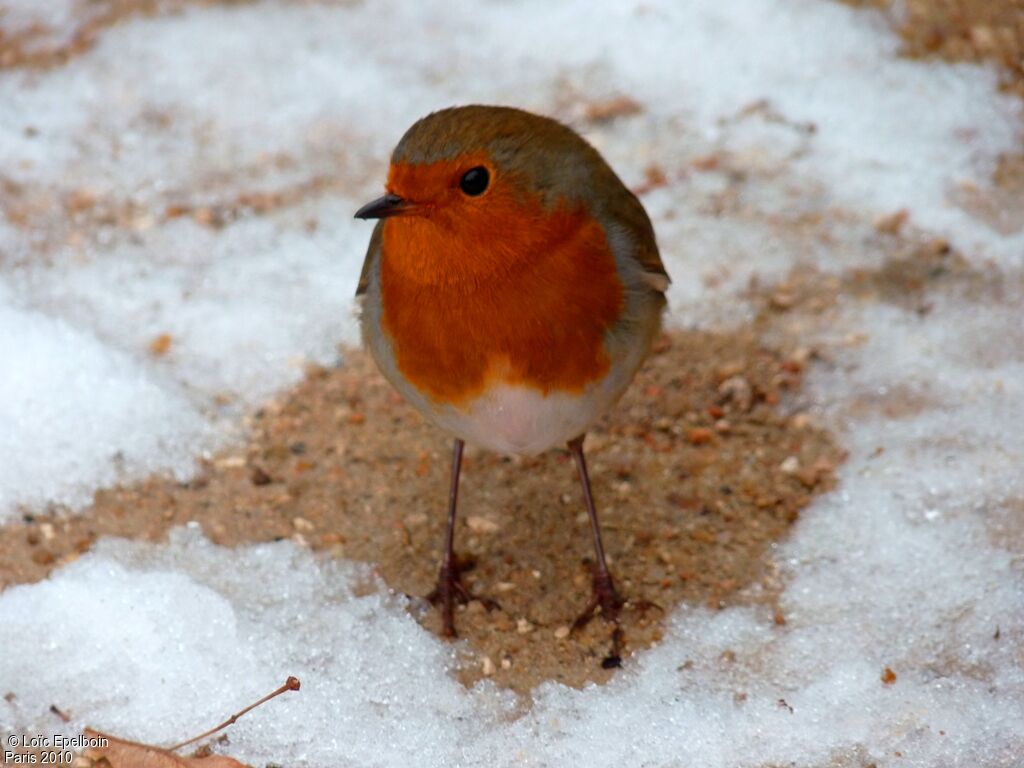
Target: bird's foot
{"x":449,"y":591}
{"x":610,"y":603}
{"x":604,"y":597}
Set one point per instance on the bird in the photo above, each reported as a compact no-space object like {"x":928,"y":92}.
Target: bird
{"x":511,"y":289}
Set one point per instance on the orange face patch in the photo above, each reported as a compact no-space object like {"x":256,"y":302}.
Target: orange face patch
{"x":477,"y":290}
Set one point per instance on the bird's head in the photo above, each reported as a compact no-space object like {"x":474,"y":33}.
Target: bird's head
{"x":481,"y":187}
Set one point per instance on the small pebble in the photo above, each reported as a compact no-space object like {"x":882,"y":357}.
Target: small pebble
{"x":783,"y":299}
{"x":790,"y":466}
{"x":699,"y":435}
{"x":801,"y":354}
{"x":43,"y":557}
{"x":479,"y":524}
{"x":160,"y":345}
{"x":737,"y":390}
{"x":801,"y":420}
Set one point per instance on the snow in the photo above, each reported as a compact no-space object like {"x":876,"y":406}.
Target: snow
{"x":903,"y":566}
{"x":86,"y":422}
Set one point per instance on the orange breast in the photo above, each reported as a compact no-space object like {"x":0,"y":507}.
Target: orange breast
{"x":520,"y":295}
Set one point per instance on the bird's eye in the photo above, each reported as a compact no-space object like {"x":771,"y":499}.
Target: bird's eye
{"x":474,"y":181}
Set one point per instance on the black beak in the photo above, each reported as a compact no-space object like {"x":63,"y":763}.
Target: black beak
{"x":383,"y":207}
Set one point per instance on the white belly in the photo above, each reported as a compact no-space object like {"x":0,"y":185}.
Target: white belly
{"x":522,"y":420}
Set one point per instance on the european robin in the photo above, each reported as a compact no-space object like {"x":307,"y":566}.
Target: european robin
{"x":511,"y":289}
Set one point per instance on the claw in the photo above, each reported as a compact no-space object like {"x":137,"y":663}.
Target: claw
{"x":614,"y":658}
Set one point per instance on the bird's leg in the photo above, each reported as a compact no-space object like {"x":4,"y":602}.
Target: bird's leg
{"x":605,"y":595}
{"x":449,"y":582}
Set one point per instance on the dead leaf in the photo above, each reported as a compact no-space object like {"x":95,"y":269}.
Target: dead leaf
{"x":118,"y":753}
{"x":129,"y":754}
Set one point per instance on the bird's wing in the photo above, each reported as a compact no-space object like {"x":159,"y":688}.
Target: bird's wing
{"x":371,"y":259}
{"x":630,"y":214}
{"x":655,"y":274}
